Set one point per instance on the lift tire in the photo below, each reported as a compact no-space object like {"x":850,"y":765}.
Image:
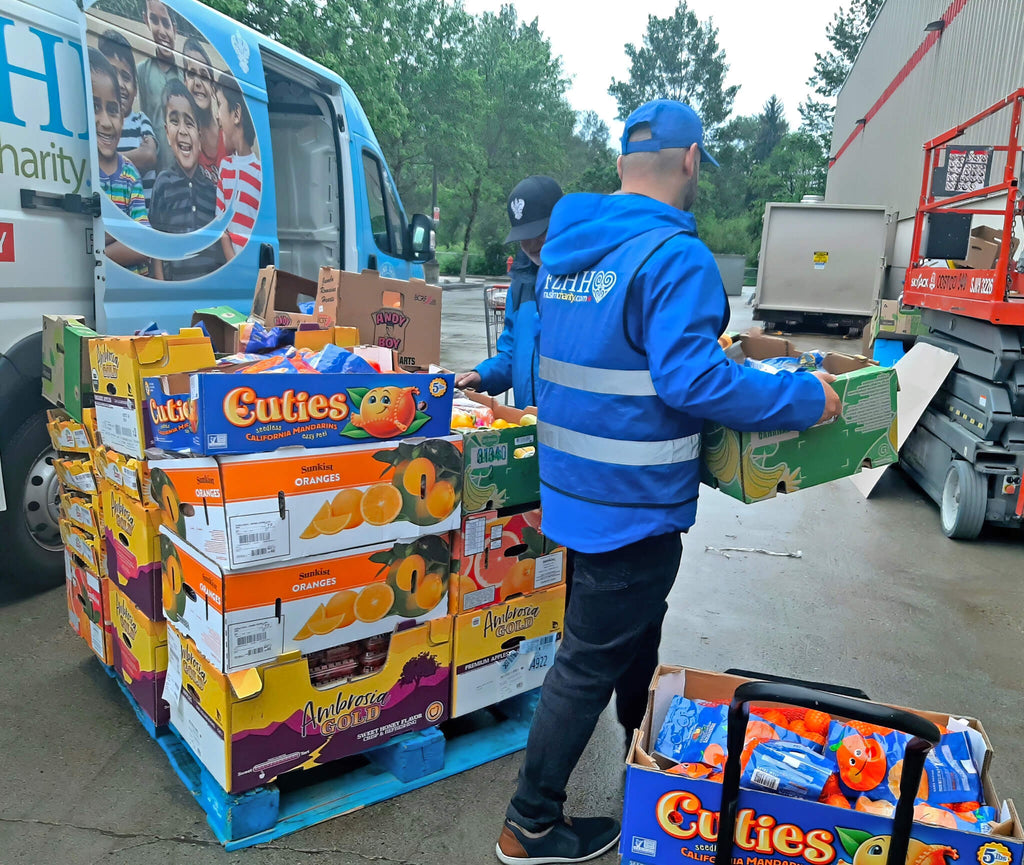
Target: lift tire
{"x":964,"y":502}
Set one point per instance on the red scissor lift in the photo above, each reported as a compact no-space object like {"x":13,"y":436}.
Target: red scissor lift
{"x":967,"y":452}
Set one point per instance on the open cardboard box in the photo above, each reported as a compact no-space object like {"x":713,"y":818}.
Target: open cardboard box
{"x":753,"y":466}
{"x":983,"y":249}
{"x":278,"y":294}
{"x":671,"y":819}
{"x":392,"y":313}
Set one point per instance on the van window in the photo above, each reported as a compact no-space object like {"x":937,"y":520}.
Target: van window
{"x":385,"y":219}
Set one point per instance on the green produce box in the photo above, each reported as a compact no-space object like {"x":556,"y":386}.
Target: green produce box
{"x":500,"y":465}
{"x":66,"y":361}
{"x":752,"y":466}
{"x":223,"y":324}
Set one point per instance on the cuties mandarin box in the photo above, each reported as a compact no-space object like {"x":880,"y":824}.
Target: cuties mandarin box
{"x":815,"y":790}
{"x":244,"y":510}
{"x":249,"y":727}
{"x":495,"y":557}
{"x":119,"y":365}
{"x":251,"y":617}
{"x":506,"y":649}
{"x":240,"y":413}
{"x":132,"y":532}
{"x":140,"y":655}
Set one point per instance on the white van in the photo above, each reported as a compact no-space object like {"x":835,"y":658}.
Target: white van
{"x":248,"y":154}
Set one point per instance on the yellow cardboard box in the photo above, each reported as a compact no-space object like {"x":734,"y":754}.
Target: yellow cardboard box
{"x":119,"y":365}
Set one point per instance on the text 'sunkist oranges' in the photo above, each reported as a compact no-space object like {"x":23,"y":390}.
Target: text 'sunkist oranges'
{"x":374,"y":601}
{"x":381,"y":504}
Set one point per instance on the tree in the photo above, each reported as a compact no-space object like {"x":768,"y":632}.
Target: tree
{"x":772,"y":126}
{"x":846,"y":33}
{"x":680,"y":59}
{"x":591,"y":159}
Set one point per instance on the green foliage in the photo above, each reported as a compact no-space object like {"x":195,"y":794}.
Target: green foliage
{"x":846,"y":33}
{"x":680,"y":59}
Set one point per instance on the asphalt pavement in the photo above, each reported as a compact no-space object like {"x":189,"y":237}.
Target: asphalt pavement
{"x":879,"y":599}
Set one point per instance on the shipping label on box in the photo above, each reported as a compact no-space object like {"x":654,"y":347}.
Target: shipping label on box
{"x":241,"y":511}
{"x":753,"y":466}
{"x":76,"y":474}
{"x":249,"y":727}
{"x":404,"y":316}
{"x":83,"y":511}
{"x":252,"y":617}
{"x":140,"y":655}
{"x":238,"y":413}
{"x":132,"y":532}
{"x":672,"y":819}
{"x":279,"y":293}
{"x":505,"y":650}
{"x":496,"y":557}
{"x":119,"y":365}
{"x":68,"y":435}
{"x":90,"y":548}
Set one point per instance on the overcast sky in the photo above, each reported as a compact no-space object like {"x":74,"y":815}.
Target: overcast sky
{"x":769,"y":46}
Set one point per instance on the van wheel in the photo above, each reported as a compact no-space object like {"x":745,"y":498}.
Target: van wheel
{"x":30,"y":525}
{"x":964,"y":502}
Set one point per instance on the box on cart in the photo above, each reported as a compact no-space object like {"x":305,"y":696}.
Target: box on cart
{"x":119,"y":365}
{"x":140,"y":655}
{"x":506,"y":649}
{"x":249,"y":727}
{"x":295,"y":503}
{"x":404,"y":316}
{"x":496,"y":555}
{"x":500,"y":464}
{"x":251,"y":617}
{"x":88,"y":597}
{"x":240,"y":413}
{"x":752,"y":466}
{"x":672,"y":818}
{"x":132,"y":532}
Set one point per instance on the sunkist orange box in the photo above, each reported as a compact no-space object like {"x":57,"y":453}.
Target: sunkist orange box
{"x":252,"y":617}
{"x":241,"y":511}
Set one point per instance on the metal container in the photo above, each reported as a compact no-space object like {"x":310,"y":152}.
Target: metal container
{"x":823,"y":261}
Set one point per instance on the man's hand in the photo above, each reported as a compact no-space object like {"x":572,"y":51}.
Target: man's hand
{"x":833,"y":405}
{"x":469,"y":379}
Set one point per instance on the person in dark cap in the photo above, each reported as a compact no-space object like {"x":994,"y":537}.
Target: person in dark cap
{"x":629,"y":369}
{"x":515,"y":364}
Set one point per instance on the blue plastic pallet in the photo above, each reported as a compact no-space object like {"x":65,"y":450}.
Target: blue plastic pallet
{"x":405,"y":763}
{"x":148,"y":724}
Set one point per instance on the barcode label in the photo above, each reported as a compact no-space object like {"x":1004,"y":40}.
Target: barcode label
{"x":254,"y":538}
{"x":760,"y":778}
{"x":118,"y":424}
{"x":250,"y":642}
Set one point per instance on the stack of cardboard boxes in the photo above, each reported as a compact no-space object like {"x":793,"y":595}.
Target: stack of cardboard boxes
{"x":267,"y":559}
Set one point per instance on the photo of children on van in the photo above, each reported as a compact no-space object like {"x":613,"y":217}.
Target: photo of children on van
{"x":177,"y":144}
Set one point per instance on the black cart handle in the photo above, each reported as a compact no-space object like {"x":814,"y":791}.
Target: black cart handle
{"x":925,"y":736}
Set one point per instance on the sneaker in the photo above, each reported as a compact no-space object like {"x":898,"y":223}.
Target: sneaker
{"x":578,"y":840}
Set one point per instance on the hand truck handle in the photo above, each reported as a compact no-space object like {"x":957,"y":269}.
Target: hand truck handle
{"x":925,"y":736}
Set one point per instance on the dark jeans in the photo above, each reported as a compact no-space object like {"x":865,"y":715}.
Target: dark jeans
{"x":612,"y":632}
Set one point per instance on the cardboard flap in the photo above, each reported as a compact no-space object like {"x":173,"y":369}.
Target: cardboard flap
{"x":441,"y":631}
{"x":246,"y":683}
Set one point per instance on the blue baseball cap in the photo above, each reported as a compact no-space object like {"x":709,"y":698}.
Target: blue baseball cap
{"x":673,"y":124}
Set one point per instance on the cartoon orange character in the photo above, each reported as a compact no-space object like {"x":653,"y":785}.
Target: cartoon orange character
{"x":387,"y":411}
{"x":862,"y":763}
{"x":875,"y":851}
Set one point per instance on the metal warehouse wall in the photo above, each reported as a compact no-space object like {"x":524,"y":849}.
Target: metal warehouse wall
{"x":933,"y":83}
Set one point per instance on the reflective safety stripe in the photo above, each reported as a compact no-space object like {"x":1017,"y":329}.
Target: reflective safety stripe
{"x":617,"y":382}
{"x":618,"y":451}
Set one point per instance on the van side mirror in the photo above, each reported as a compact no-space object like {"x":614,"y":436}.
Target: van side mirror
{"x":421,"y":238}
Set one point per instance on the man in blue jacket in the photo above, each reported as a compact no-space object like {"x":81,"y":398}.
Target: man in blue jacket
{"x":630,"y":368}
{"x":515,"y":364}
